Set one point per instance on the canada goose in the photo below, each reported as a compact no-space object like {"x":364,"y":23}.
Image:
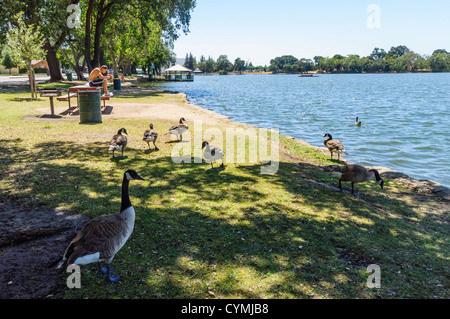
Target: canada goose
{"x":357,"y":123}
{"x":355,"y":174}
{"x":178,"y":129}
{"x":151,"y":135}
{"x":102,"y":237}
{"x":119,"y":141}
{"x":212,"y":153}
{"x":334,"y":146}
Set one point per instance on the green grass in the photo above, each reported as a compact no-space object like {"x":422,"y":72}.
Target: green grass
{"x":232,"y":233}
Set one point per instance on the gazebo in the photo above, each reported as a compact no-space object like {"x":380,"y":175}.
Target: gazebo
{"x":198,"y":71}
{"x":178,"y":73}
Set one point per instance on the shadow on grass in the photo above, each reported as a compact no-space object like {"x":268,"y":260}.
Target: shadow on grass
{"x":200,"y":234}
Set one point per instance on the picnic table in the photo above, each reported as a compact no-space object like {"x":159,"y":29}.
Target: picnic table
{"x":51,"y":93}
{"x":73,"y":92}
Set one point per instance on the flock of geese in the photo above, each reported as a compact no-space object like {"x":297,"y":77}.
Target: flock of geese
{"x":120,"y":140}
{"x":101,"y":238}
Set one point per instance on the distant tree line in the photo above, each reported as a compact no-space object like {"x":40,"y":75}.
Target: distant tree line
{"x":398,"y":59}
{"x":222,"y":65}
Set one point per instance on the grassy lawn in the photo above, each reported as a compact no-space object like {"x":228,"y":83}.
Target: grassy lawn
{"x":230,"y":233}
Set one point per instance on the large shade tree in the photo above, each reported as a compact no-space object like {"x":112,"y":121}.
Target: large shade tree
{"x":170,"y":15}
{"x":51,"y":18}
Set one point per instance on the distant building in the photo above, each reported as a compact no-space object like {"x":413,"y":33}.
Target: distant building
{"x":39,"y":64}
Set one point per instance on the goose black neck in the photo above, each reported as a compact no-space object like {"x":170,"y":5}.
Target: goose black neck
{"x":125,"y":197}
{"x":377,"y":175}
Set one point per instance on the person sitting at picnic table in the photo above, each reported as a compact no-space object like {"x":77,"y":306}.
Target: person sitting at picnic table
{"x":97,"y":79}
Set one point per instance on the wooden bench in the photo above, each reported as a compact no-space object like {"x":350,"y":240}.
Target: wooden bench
{"x":104,"y":99}
{"x":66,"y":97}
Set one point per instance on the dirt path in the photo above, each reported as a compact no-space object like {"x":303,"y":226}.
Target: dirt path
{"x":30,"y":239}
{"x":159,"y":111}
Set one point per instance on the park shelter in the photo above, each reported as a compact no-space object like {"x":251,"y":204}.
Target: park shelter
{"x":178,"y":73}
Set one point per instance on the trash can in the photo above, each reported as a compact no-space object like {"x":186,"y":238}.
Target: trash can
{"x":69,"y":76}
{"x":117,"y":85}
{"x":90,"y":106}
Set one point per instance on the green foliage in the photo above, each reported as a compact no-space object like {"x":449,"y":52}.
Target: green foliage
{"x":223,"y":64}
{"x":399,"y":59}
{"x":239,"y":65}
{"x":7,"y":62}
{"x":190,"y":61}
{"x":440,"y":61}
{"x":24,"y":42}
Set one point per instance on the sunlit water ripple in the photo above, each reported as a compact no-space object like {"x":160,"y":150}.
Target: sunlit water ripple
{"x":405,"y":117}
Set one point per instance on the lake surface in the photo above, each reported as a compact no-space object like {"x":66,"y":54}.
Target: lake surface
{"x":405,"y":117}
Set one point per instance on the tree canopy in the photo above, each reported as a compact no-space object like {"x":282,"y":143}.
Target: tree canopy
{"x":119,"y":33}
{"x":397,"y":59}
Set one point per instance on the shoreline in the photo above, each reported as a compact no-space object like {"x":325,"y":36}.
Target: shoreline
{"x":173,"y":109}
{"x":420,"y":186}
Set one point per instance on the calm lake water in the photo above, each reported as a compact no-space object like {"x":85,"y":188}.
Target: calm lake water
{"x":405,"y":117}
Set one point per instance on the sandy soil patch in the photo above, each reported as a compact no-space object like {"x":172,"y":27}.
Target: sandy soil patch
{"x":156,"y":111}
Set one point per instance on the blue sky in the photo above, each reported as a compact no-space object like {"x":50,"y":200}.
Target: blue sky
{"x":260,"y":30}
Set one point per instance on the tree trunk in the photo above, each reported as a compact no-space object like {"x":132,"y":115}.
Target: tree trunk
{"x":115,"y":65}
{"x":53,"y":64}
{"x":87,"y":36}
{"x":97,"y":53}
{"x":30,"y":78}
{"x":127,"y":67}
{"x":34,"y":83}
{"x":102,"y":14}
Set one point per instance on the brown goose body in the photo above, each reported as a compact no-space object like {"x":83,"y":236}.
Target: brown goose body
{"x":102,"y":237}
{"x":334,"y":146}
{"x":178,"y":129}
{"x":151,"y":135}
{"x":356,"y":174}
{"x":213,"y":153}
{"x":119,"y":141}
